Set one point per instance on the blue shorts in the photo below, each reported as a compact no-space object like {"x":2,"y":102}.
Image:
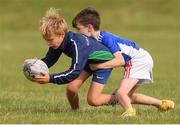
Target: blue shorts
{"x":101,"y":75}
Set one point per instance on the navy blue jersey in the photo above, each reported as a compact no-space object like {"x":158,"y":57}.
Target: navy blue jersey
{"x":79,"y":48}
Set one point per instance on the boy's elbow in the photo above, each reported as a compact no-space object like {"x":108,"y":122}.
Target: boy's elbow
{"x":118,"y":58}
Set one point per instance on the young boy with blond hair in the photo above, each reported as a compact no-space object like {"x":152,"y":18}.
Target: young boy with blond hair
{"x":138,"y":63}
{"x":83,"y":51}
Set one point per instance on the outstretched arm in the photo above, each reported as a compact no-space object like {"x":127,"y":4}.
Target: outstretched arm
{"x":51,"y":57}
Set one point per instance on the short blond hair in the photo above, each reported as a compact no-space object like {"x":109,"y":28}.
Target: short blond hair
{"x":52,"y":23}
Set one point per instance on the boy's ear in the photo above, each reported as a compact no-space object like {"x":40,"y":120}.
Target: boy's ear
{"x":90,"y":27}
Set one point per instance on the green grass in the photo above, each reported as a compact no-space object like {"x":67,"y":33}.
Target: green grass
{"x":153,"y":24}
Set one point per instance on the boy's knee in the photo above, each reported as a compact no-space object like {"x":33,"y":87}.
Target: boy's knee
{"x":92,"y":101}
{"x":121,"y":93}
{"x":72,"y":89}
{"x":134,"y":97}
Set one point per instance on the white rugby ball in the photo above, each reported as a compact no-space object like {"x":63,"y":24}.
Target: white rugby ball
{"x":33,"y":68}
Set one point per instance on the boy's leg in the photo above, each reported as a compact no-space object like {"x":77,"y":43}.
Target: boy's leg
{"x":138,"y":98}
{"x":96,"y":97}
{"x":73,"y":87}
{"x":122,"y":93}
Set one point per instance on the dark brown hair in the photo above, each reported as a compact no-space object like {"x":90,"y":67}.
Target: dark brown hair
{"x":87,"y":16}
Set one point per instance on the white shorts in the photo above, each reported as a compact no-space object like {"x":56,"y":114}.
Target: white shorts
{"x":140,"y":67}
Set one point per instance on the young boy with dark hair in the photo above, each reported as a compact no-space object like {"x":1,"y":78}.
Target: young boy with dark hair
{"x":136,"y":61}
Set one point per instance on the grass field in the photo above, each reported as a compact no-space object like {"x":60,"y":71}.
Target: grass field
{"x":152,"y":24}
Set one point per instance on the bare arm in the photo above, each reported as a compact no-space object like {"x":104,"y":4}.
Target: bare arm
{"x":117,"y":61}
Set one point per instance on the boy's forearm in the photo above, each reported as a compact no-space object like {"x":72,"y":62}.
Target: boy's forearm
{"x":51,"y":57}
{"x":63,"y":78}
{"x":117,"y":61}
{"x":114,"y":63}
